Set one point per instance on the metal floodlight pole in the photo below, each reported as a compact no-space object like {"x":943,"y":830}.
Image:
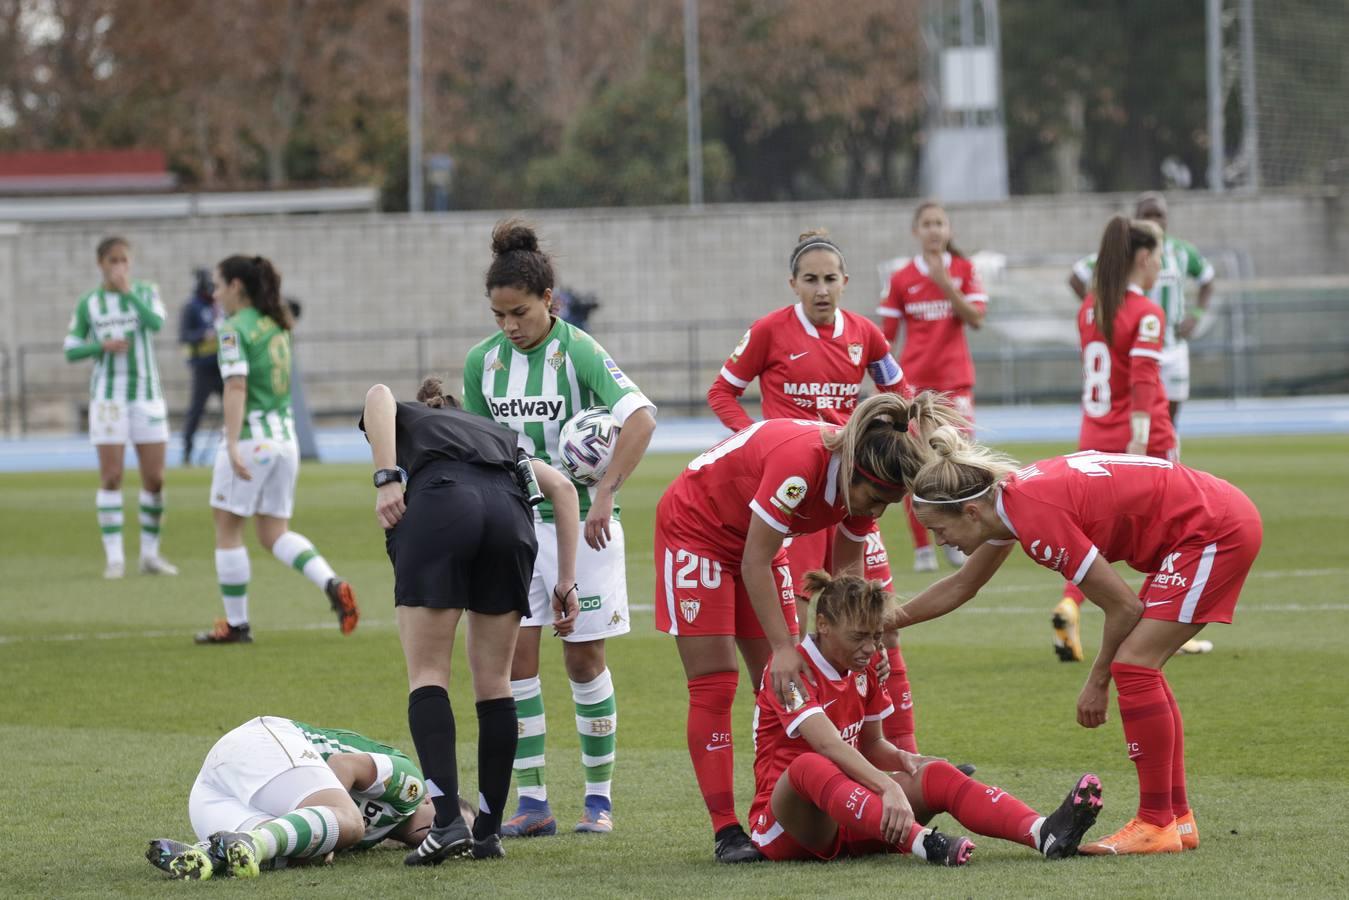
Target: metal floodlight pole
{"x":1250,"y":127}
{"x":693,"y":93}
{"x":1216,"y":151}
{"x":416,"y":193}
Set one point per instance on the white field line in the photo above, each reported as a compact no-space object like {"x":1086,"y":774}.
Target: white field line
{"x":1044,"y":588}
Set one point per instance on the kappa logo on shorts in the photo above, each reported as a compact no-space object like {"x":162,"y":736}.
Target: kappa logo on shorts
{"x":309,"y":754}
{"x":689,"y":609}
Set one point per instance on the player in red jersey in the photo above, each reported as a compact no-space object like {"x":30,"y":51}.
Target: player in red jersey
{"x":1195,"y":537}
{"x":821,"y":761}
{"x":722,"y":578}
{"x":810,"y":359}
{"x":1123,"y":402}
{"x":936,"y":296}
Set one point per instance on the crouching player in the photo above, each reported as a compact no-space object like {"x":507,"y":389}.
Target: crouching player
{"x":828,"y":783}
{"x":276,"y":790}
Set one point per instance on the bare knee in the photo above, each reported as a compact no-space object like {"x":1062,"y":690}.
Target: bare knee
{"x":584,"y":660}
{"x":110,"y":481}
{"x":525,"y":662}
{"x":350,"y":825}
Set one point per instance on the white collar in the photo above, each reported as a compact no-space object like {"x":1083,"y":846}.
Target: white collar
{"x":810,"y":326}
{"x":1002,"y":513}
{"x":818,"y":658}
{"x":1133,"y":288}
{"x":920,"y":262}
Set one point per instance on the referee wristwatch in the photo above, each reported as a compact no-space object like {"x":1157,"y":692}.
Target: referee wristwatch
{"x":385,"y":476}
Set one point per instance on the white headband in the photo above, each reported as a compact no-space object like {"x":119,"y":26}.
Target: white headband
{"x":819,"y":242}
{"x":975,"y":496}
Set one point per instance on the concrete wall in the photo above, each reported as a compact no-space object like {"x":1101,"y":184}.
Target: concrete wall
{"x":724,"y":264}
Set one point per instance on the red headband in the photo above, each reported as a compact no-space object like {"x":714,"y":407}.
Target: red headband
{"x":874,"y":480}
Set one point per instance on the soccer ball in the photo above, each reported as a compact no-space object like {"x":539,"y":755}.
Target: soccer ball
{"x":586,"y":444}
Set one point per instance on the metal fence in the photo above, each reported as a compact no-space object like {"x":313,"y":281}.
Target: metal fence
{"x":1255,"y":343}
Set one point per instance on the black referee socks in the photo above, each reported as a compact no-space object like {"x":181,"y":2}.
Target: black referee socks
{"x":497,"y":737}
{"x":431,"y":721}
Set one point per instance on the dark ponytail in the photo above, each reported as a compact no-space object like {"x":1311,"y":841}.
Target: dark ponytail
{"x":517,"y":261}
{"x":432,"y":393}
{"x":262,"y":283}
{"x":1114,"y":260}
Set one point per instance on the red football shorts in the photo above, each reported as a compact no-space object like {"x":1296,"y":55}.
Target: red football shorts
{"x":700,"y":596}
{"x":806,"y":552}
{"x":1201,"y":579}
{"x":777,"y":845}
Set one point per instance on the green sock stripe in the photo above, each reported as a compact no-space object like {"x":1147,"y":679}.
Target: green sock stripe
{"x":280,"y":835}
{"x":598,"y":745}
{"x":529,"y":746}
{"x":149,"y":529}
{"x":304,"y":831}
{"x":109,"y":509}
{"x":603,"y":772}
{"x":303,"y":560}
{"x":606,"y":707}
{"x":529,"y":707}
{"x":529,"y":777}
{"x":318,"y":828}
{"x":234,"y":590}
{"x":110,"y":529}
{"x":152,"y":510}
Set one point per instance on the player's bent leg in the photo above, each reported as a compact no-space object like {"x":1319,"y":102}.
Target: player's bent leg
{"x":489,"y":653}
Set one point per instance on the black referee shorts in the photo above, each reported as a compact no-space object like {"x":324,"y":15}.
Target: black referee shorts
{"x":466,"y":542}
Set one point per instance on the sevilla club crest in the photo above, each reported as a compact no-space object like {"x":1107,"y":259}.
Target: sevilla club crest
{"x":862,"y":684}
{"x":689,"y":609}
{"x":855,"y":354}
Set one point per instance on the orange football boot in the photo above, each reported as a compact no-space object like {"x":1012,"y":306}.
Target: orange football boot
{"x":1137,"y":837}
{"x":1189,"y":832}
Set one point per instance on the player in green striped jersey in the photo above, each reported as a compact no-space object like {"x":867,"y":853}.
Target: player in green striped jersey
{"x":277,"y":790}
{"x":1180,"y":260}
{"x":114,"y":325}
{"x":533,"y":376}
{"x":257,"y":466}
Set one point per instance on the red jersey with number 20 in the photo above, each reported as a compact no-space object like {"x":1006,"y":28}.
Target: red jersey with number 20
{"x":806,"y":372}
{"x":935,"y":355}
{"x":1068,"y":510}
{"x":778,"y":470}
{"x":847,"y":699}
{"x":1111,"y":369}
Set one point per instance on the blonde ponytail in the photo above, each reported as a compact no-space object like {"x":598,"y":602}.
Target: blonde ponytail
{"x":886,"y":440}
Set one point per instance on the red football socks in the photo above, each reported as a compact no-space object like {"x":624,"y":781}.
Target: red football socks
{"x":1180,"y":802}
{"x":1074,"y":593}
{"x":920,"y":535}
{"x":1150,"y":735}
{"x":982,"y":809}
{"x":710,"y":746}
{"x":898,"y":726}
{"x":852,"y":806}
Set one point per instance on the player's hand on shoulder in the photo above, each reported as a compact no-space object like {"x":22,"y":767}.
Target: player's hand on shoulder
{"x":389,"y":504}
{"x":787,"y":675}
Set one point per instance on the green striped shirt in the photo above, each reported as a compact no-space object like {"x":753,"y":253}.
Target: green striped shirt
{"x":394,"y":796}
{"x":533,"y":392}
{"x":103,"y":315}
{"x":254,"y":346}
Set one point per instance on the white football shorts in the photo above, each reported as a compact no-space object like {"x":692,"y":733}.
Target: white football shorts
{"x":275,"y":467}
{"x":601,"y":585}
{"x":137,"y":421}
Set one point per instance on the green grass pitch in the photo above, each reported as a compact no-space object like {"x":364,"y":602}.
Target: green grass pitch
{"x":108,"y":708}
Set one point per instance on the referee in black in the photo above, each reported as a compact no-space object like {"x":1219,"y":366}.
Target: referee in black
{"x":459,"y":531}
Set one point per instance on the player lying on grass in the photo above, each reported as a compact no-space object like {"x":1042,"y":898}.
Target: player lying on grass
{"x":828,"y":783}
{"x":1195,"y":538}
{"x":275,"y":791}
